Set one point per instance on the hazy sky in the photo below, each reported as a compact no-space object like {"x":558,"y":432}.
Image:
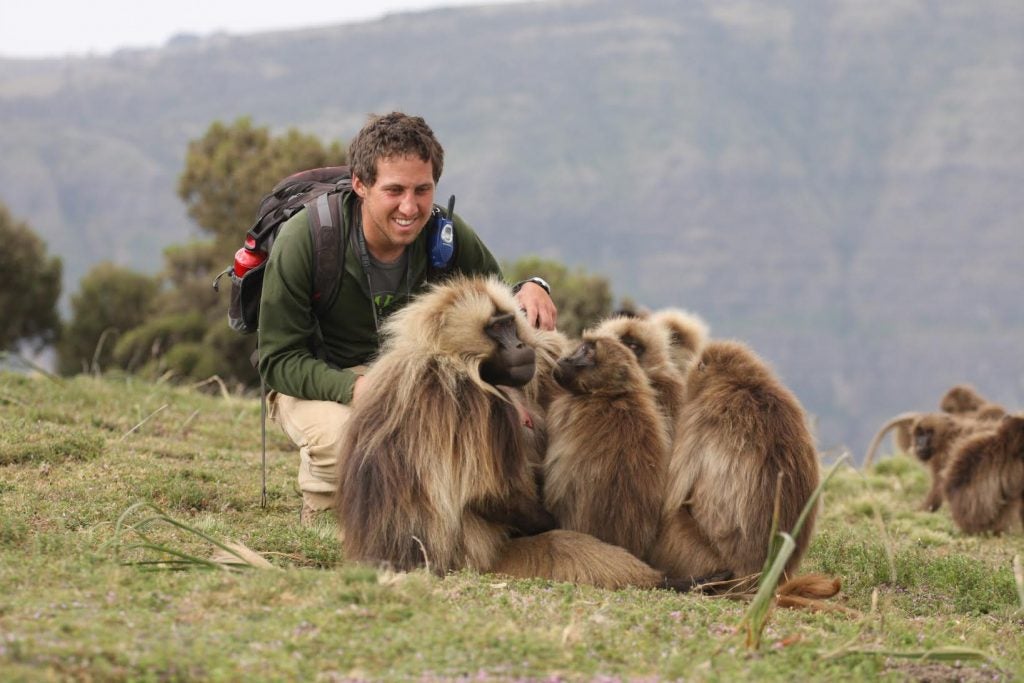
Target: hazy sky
{"x":47,"y":28}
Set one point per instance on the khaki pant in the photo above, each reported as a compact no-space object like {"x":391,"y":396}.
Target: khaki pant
{"x":316,"y":427}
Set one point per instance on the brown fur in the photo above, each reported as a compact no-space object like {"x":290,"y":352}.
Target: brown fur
{"x":688,"y":335}
{"x":533,"y":400}
{"x":934,"y":436}
{"x":808,"y":591}
{"x":930,"y":438}
{"x":549,"y":345}
{"x":984,"y":480}
{"x":903,"y":438}
{"x":650,"y":344}
{"x":739,"y":429}
{"x":964,"y":400}
{"x":604,"y":472}
{"x":961,"y":400}
{"x":575,"y":557}
{"x":436,"y":468}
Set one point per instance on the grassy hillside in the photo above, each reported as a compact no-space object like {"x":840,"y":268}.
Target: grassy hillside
{"x":919,"y":600}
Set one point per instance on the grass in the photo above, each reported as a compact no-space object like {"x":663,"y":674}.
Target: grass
{"x":922,"y":600}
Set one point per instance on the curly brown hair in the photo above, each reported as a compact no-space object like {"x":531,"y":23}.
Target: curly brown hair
{"x":393,"y":135}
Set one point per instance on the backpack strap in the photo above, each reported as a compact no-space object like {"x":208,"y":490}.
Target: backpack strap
{"x":325,"y":227}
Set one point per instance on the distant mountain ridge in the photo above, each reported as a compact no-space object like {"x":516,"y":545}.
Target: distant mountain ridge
{"x":836,"y":182}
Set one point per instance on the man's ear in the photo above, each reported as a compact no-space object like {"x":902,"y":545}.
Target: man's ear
{"x":359,"y":187}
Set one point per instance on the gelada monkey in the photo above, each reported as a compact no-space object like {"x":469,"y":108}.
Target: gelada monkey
{"x":436,"y":469}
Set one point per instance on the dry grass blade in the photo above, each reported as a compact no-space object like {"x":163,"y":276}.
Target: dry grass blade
{"x":188,"y":421}
{"x":423,"y":549}
{"x":890,"y":553}
{"x":741,"y":588}
{"x":144,"y":421}
{"x":214,"y":379}
{"x":229,"y":556}
{"x":241,"y":555}
{"x":95,"y":367}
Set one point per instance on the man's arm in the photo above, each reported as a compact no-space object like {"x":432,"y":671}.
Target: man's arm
{"x":287,"y":322}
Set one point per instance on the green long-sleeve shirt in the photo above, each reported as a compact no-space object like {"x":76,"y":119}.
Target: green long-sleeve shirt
{"x":345,"y":332}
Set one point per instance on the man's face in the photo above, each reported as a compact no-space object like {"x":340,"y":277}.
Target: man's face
{"x":396,"y":207}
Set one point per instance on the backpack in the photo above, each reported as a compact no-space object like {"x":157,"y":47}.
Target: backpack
{"x":319,"y":190}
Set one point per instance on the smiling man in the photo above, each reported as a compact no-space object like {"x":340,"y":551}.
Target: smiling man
{"x":314,"y":359}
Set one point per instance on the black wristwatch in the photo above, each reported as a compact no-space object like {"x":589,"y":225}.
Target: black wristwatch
{"x":535,"y":280}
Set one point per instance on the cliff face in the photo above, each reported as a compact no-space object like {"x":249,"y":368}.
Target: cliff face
{"x":835,"y":182}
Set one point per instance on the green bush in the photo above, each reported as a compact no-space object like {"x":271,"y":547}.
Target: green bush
{"x":110,"y":301}
{"x":29,"y":286}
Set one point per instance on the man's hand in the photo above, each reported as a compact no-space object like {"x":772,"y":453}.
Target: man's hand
{"x":540,"y":309}
{"x":359,"y":387}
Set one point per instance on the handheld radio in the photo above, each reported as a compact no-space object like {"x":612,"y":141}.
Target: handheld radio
{"x":441,"y":242}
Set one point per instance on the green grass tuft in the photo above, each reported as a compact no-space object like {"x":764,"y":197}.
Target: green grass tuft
{"x":50,"y":444}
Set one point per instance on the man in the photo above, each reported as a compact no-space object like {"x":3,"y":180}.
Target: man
{"x":315,"y":363}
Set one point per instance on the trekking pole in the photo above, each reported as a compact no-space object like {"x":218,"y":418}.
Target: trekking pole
{"x":263,"y":439}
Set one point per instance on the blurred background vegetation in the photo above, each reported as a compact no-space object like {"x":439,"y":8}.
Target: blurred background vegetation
{"x":28,"y":310}
{"x":173,"y":325}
